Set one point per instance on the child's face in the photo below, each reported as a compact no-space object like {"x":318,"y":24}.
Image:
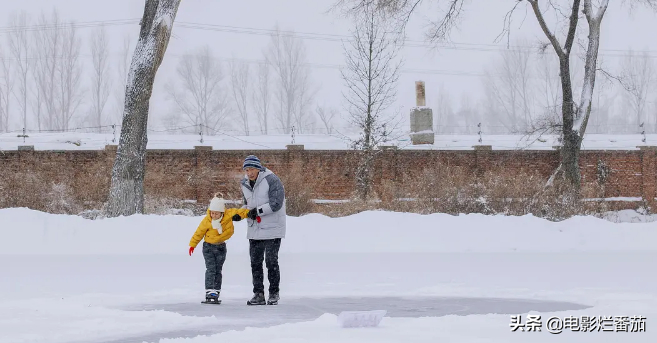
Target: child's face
{"x":215,"y":214}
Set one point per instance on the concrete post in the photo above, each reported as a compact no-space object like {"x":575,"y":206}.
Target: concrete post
{"x":420,"y":94}
{"x":421,"y":118}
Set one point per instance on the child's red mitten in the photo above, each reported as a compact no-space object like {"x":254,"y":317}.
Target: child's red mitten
{"x":191,"y":250}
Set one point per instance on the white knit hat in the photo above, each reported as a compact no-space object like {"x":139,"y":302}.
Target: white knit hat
{"x":218,"y":204}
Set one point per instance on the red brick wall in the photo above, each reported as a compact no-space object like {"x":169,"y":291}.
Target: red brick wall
{"x":197,"y":174}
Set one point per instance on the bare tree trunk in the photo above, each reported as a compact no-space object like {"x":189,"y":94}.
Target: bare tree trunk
{"x":261,"y":97}
{"x":444,"y":110}
{"x":6,"y":91}
{"x":48,"y":49}
{"x":583,"y":111}
{"x":303,"y":116}
{"x":4,"y":114}
{"x":37,"y":103}
{"x":638,"y":77}
{"x":19,"y":44}
{"x":100,"y":88}
{"x":69,"y":73}
{"x":126,"y":195}
{"x":326,"y":116}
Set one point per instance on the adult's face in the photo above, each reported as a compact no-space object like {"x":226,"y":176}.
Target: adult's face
{"x":252,"y":173}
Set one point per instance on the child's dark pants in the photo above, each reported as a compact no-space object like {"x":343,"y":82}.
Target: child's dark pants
{"x":215,"y":256}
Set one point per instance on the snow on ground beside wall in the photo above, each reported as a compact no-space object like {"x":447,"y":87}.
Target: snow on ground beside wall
{"x":93,"y":141}
{"x":367,"y":232}
{"x":629,"y":216}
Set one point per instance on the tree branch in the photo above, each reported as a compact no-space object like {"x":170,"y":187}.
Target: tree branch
{"x":442,"y":28}
{"x":574,"y":19}
{"x":546,"y":30}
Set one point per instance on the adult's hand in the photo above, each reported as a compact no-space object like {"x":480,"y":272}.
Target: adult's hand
{"x":237,"y":218}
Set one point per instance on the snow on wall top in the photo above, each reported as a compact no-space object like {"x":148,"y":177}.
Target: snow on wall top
{"x":96,"y":141}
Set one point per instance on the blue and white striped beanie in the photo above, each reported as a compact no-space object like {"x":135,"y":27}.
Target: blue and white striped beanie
{"x":252,"y":162}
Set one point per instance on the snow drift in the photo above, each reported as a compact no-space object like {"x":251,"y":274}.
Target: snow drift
{"x":366,"y":232}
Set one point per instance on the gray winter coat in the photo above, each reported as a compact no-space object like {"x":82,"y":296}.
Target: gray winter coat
{"x":268,"y":196}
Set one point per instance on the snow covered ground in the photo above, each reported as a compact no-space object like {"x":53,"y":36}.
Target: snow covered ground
{"x":94,"y":141}
{"x":441,"y":278}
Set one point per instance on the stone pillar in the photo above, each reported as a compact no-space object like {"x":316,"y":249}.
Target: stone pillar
{"x":421,"y":118}
{"x":420,"y":94}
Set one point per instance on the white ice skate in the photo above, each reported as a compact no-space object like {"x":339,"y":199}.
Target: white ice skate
{"x":211,"y":297}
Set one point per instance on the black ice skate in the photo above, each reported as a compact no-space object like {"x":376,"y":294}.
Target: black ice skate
{"x":258,"y":299}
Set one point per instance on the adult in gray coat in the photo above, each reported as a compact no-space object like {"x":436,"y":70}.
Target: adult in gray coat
{"x":264,"y":195}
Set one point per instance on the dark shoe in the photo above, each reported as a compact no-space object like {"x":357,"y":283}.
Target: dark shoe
{"x":273,"y":299}
{"x":258,"y":299}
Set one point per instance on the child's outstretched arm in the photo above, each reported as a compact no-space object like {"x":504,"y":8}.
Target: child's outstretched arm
{"x":203,"y":227}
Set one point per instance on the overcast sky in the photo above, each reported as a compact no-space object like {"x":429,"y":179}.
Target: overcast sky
{"x":456,"y":69}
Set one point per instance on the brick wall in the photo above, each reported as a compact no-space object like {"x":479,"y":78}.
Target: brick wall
{"x":197,"y":174}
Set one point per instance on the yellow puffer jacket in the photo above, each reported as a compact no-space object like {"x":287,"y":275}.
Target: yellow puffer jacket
{"x":212,"y":235}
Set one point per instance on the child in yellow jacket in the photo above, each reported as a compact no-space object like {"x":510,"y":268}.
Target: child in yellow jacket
{"x":215,"y":229}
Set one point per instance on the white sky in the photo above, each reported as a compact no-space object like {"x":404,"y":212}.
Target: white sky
{"x":483,"y":22}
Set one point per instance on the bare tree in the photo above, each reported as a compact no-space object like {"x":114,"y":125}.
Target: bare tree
{"x":327,"y":116}
{"x":444,"y":115}
{"x":262,"y":97}
{"x":600,"y":111}
{"x":69,"y":71}
{"x":126,"y":196}
{"x":303,"y":115}
{"x":371,"y":75}
{"x":287,"y":55}
{"x":575,"y":114}
{"x":509,"y":90}
{"x":467,"y":116}
{"x":239,"y":79}
{"x":47,"y":51}
{"x":36,"y":98}
{"x":637,"y":78}
{"x":6,"y":90}
{"x":197,"y":93}
{"x":19,"y":44}
{"x":101,"y":82}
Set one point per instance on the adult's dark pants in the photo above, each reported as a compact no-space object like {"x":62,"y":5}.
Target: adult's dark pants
{"x":267,"y":250}
{"x":215,"y":256}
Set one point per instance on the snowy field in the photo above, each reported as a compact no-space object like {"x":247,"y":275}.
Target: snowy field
{"x":94,"y":141}
{"x":441,"y":278}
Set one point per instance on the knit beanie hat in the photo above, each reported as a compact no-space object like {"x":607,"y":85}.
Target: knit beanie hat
{"x":252,"y":162}
{"x":217,"y":204}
